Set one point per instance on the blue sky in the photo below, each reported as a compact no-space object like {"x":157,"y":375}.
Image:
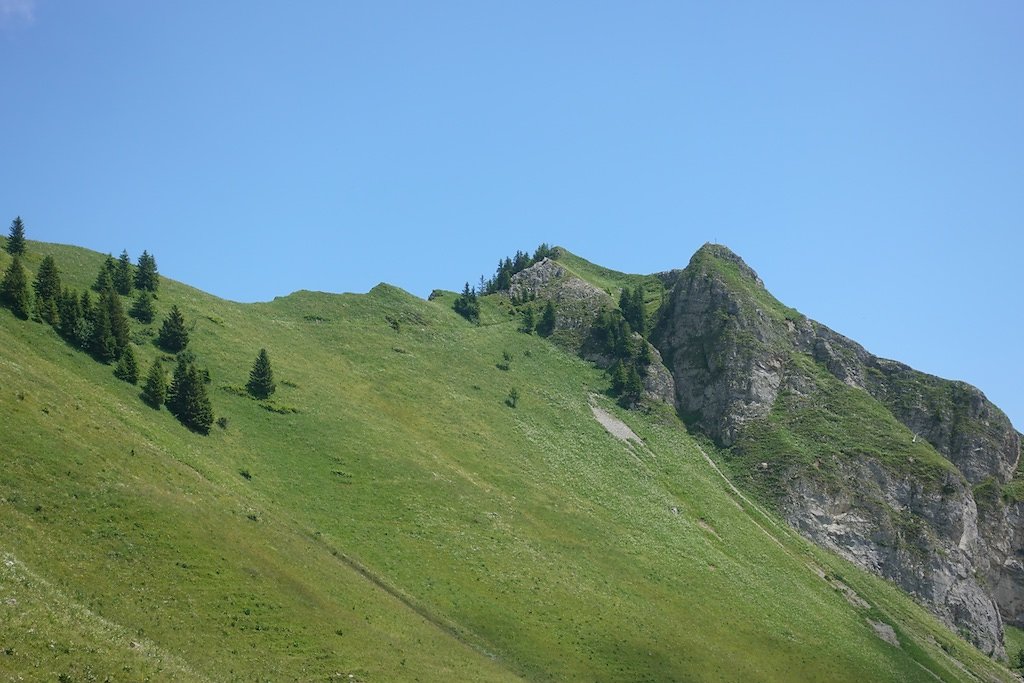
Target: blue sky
{"x":867,"y":159}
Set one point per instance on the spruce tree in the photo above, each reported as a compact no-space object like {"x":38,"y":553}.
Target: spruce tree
{"x":123,"y":275}
{"x":105,"y":278}
{"x":155,"y":389}
{"x":69,"y":312}
{"x":127,"y":369}
{"x":142,"y":308}
{"x":102,"y":344}
{"x":197,"y":411}
{"x":83,"y":332}
{"x":173,"y":336}
{"x":467,"y":305}
{"x":633,"y":389}
{"x":528,"y":320}
{"x":117,"y":319}
{"x":178,"y":388}
{"x":16,"y":238}
{"x":261,"y":377}
{"x":14,"y":290}
{"x":146,"y":275}
{"x":47,"y":289}
{"x":546,"y":326}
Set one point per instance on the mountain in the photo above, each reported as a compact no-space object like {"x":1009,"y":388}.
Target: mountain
{"x":389,"y":515}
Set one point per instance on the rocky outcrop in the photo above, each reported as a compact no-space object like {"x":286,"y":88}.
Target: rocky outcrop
{"x":577,"y":305}
{"x":731,"y":347}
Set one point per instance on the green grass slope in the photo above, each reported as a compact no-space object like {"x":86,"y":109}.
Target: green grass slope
{"x":397,"y":520}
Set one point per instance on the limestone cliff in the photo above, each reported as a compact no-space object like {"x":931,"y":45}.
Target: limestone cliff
{"x":863,"y":455}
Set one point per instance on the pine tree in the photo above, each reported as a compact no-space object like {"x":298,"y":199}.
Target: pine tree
{"x":546,"y":326}
{"x":47,"y":289}
{"x":261,"y":377}
{"x":16,"y":238}
{"x":123,"y":275}
{"x":105,"y":278}
{"x":155,"y":389}
{"x":14,"y":290}
{"x":142,"y":308}
{"x":127,"y":369}
{"x":146,"y":275}
{"x":173,"y":336}
{"x":639,"y":322}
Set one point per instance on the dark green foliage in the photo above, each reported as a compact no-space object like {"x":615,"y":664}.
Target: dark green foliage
{"x":14,"y":290}
{"x":632,"y":389}
{"x":155,"y":389}
{"x":513,"y":398}
{"x":173,"y":336}
{"x":146,"y":275}
{"x":528,"y":320}
{"x":102,"y":344}
{"x":631,"y":303}
{"x":16,"y":238}
{"x":47,"y":289}
{"x":83,"y":332}
{"x":118,"y":321}
{"x":69,"y":313}
{"x":105,"y":278}
{"x":547,"y":320}
{"x":127,"y":369}
{"x":123,"y":275}
{"x":618,"y":377}
{"x":142,"y":308}
{"x":187,"y":398}
{"x":467,"y":305}
{"x":1018,"y":660}
{"x":261,"y":377}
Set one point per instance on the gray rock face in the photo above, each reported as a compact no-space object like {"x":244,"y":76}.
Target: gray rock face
{"x":728,"y":344}
{"x":922,"y":540}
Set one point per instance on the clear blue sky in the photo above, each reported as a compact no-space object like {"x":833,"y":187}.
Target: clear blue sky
{"x":867,"y":159}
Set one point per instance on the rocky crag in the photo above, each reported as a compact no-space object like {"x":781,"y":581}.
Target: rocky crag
{"x":908,"y":475}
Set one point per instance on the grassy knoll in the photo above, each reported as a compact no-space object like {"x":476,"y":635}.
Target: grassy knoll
{"x":386,"y":516}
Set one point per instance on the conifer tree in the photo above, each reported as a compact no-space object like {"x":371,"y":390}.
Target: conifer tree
{"x":528,"y":320}
{"x":83,"y":332}
{"x":16,"y":238}
{"x":547,"y":320}
{"x":142,"y":308}
{"x":633,"y":389}
{"x":69,"y":312}
{"x":467,"y":305}
{"x":105,"y":278}
{"x":178,"y":387}
{"x":117,"y":319}
{"x":102,"y":343}
{"x":14,"y":290}
{"x":146,"y":275}
{"x":261,"y":377}
{"x":127,"y":369}
{"x":173,"y":336}
{"x":47,"y":289}
{"x":123,"y":275}
{"x":197,"y":413}
{"x":155,"y":389}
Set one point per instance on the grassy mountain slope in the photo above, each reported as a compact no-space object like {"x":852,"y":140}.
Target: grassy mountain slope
{"x":397,"y":520}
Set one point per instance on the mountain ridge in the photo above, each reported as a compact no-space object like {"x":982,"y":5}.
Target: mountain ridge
{"x":544,"y":540}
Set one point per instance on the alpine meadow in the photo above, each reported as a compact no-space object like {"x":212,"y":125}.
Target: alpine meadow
{"x":564,"y":473}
